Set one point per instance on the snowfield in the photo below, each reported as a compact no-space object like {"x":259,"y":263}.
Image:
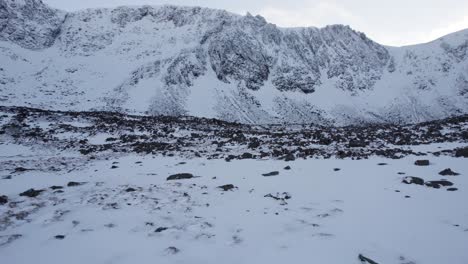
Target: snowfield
{"x":113,"y":204}
{"x":167,"y":134}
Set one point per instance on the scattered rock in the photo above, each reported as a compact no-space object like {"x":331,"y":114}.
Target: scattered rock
{"x":366,"y":260}
{"x":74,"y":184}
{"x":422,"y":163}
{"x":280,"y":196}
{"x":438,"y":184}
{"x":448,"y":172}
{"x":160,"y":229}
{"x":273,"y":173}
{"x":227,"y":187}
{"x":461,"y":152}
{"x":180,"y":176}
{"x":3,"y":199}
{"x":247,"y":156}
{"x":290,"y":157}
{"x":353,"y":143}
{"x":31,"y":193}
{"x":21,"y":169}
{"x":413,"y":180}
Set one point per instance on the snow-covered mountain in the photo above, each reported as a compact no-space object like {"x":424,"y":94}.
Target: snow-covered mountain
{"x":211,"y":63}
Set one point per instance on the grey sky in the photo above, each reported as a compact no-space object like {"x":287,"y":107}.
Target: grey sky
{"x":390,"y":22}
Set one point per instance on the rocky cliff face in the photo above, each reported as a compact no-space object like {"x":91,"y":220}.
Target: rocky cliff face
{"x":196,"y":61}
{"x":29,"y":23}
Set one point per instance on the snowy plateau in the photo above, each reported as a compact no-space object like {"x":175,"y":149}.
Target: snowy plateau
{"x":167,"y":134}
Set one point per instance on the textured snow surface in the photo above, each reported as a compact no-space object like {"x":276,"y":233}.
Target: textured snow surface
{"x":195,"y":61}
{"x":331,"y":217}
{"x":92,"y":188}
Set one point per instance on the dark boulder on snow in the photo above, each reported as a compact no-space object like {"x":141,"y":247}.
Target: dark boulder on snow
{"x":31,"y":193}
{"x":247,"y":156}
{"x":227,"y":187}
{"x":438,"y":184}
{"x":290,"y":157}
{"x":180,"y":176}
{"x":3,"y":199}
{"x":461,"y":152}
{"x":422,"y":163}
{"x":413,"y":180}
{"x":448,"y":172}
{"x":366,"y":260}
{"x":74,"y":184}
{"x":160,"y":229}
{"x":273,"y":173}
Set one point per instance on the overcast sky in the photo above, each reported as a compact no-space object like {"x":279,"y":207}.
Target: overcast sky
{"x":389,"y":22}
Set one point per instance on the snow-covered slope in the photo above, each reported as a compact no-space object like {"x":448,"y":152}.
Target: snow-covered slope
{"x":210,"y":63}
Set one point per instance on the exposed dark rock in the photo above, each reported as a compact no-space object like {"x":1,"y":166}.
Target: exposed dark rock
{"x":461,"y":152}
{"x":3,"y":199}
{"x":227,"y":187}
{"x":413,"y":180}
{"x":290,"y":157}
{"x":21,"y":169}
{"x":273,"y":173}
{"x":287,"y":167}
{"x":160,"y":229}
{"x":74,"y":184}
{"x":31,"y":193}
{"x":279,"y":196}
{"x":59,"y":237}
{"x":357,"y":144}
{"x":452,"y":189}
{"x":247,"y":156}
{"x":180,"y":176}
{"x":336,"y":169}
{"x":56,"y":187}
{"x":254,"y":143}
{"x":382,"y":164}
{"x":366,"y":260}
{"x":422,"y":163}
{"x":130,"y":189}
{"x":438,"y":184}
{"x":448,"y":172}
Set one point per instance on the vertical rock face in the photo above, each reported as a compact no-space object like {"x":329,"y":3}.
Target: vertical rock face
{"x":171,"y":60}
{"x":29,"y":23}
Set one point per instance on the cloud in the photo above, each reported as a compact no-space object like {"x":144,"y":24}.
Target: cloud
{"x":318,"y":15}
{"x":447,"y":29}
{"x":385,"y":30}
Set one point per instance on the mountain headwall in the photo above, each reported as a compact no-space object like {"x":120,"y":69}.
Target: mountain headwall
{"x":196,"y":61}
